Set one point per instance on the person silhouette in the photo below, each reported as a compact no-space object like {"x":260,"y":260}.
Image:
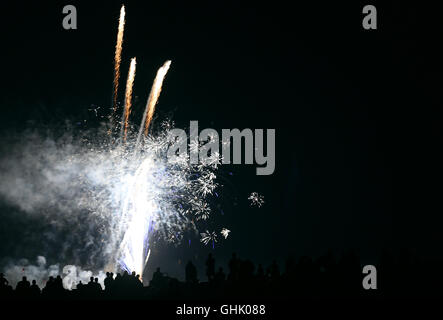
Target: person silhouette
{"x":139,"y":281}
{"x":233,"y":268}
{"x":260,"y":273}
{"x":34,"y":289}
{"x":275,"y":272}
{"x":133,"y":279}
{"x":118,"y":279}
{"x":191,"y":273}
{"x":97,"y":286}
{"x":4,"y":285}
{"x":58,"y":283}
{"x":108,"y":281}
{"x":3,"y":281}
{"x":23,"y":287}
{"x":210,"y":267}
{"x":247,"y":270}
{"x":157,"y":277}
{"x":220,"y":276}
{"x":48,"y":289}
{"x":90,"y":286}
{"x":23,"y":284}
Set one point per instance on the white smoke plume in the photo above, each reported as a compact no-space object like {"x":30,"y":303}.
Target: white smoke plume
{"x":40,"y":272}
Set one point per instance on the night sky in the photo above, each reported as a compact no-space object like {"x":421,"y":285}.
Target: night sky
{"x":357,"y":113}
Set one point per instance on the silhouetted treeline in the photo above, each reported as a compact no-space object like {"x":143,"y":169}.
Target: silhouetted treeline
{"x":325,"y":277}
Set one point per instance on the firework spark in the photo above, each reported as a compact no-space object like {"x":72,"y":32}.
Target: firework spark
{"x":118,"y":58}
{"x":128,"y":97}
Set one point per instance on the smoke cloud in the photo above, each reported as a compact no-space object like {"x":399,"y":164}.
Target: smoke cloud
{"x":40,"y":272}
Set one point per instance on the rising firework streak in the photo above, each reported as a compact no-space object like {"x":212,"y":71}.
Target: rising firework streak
{"x":117,"y":59}
{"x":128,"y":97}
{"x":153,"y":98}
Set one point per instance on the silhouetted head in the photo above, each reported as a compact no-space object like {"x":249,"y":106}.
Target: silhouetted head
{"x":96,"y":280}
{"x":59,"y":278}
{"x":107,"y":274}
{"x":133,"y":273}
{"x":51,"y":279}
{"x":24,"y":278}
{"x":34,"y":282}
{"x":137,"y":276}
{"x":125,"y":273}
{"x":91,"y":279}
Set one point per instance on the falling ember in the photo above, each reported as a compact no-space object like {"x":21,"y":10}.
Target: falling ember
{"x":153,"y":97}
{"x":118,"y":55}
{"x":128,"y":96}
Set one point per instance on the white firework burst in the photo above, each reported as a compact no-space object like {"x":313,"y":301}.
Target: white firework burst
{"x":256,"y":199}
{"x":225,"y":232}
{"x":208,"y":236}
{"x":206,"y":184}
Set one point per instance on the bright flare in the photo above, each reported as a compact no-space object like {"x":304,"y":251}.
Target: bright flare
{"x":140,"y":209}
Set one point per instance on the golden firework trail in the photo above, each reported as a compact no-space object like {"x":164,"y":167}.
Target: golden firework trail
{"x":118,"y":58}
{"x":128,"y":96}
{"x":154,"y":95}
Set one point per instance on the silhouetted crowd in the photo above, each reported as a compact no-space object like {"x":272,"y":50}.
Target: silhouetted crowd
{"x":322,"y":277}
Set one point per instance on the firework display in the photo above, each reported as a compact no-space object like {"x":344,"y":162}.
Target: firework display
{"x":219,"y":158}
{"x":121,"y":192}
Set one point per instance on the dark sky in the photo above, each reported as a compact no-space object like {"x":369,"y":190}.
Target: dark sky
{"x":357,"y":113}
